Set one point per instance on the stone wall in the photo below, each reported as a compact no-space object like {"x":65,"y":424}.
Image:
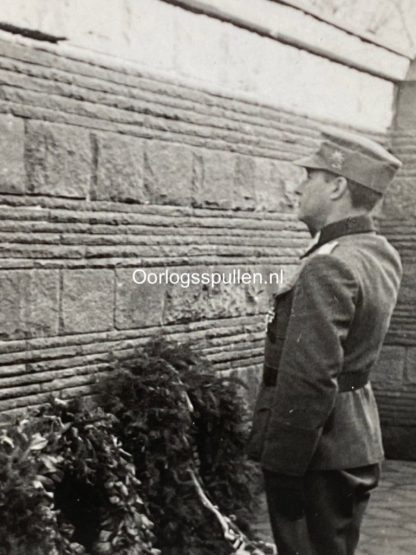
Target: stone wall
{"x":106,"y":167}
{"x":103,"y":172}
{"x":269,"y":52}
{"x":396,"y":390}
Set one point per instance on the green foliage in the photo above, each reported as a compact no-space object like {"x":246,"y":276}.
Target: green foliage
{"x":28,"y":521}
{"x":220,"y":422}
{"x":177,"y":414}
{"x":67,"y":487}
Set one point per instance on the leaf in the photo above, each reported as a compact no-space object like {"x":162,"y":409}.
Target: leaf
{"x":6,"y":439}
{"x":37,"y":442}
{"x":104,"y":548}
{"x":105,"y":535}
{"x":50,"y":462}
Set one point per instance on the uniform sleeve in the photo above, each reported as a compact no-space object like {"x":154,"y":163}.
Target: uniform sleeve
{"x":322,"y":310}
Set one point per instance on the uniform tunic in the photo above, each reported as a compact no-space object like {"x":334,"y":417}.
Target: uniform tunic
{"x":316,"y":408}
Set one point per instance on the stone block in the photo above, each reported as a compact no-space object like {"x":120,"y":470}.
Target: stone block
{"x":138,"y":304}
{"x":410,"y":370}
{"x":12,"y":163}
{"x":244,"y":195}
{"x":226,"y":301}
{"x":214,"y":179}
{"x":407,"y":293}
{"x":59,"y":159}
{"x":390,"y":365}
{"x":290,"y":176}
{"x":274,"y":184}
{"x":247,"y":294}
{"x":12,"y":324}
{"x":119,"y":168}
{"x":28,"y":303}
{"x":217,"y":299}
{"x":269,"y":195}
{"x":169,"y":171}
{"x":42,"y":303}
{"x":87,"y":301}
{"x":400,"y":201}
{"x":406,"y":105}
{"x":184,"y":304}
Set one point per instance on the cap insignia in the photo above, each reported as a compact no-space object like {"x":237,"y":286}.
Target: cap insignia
{"x":336,"y":159}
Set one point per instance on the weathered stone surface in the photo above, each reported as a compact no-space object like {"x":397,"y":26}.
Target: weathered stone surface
{"x":12,"y":165}
{"x":87,"y":300}
{"x":406,"y":118}
{"x":12,"y":325}
{"x":119,"y":168}
{"x":290,"y":176}
{"x":244,"y":194}
{"x":214,"y":178}
{"x":42,"y":303}
{"x":390,"y":366}
{"x":225,"y":300}
{"x":274,"y":184}
{"x":168,"y":177}
{"x":184,"y":304}
{"x":59,"y":159}
{"x":28,"y":303}
{"x":138,"y":304}
{"x":410,"y":372}
{"x":231,"y":291}
{"x":400,"y":199}
{"x":269,"y":194}
{"x":407,"y":292}
{"x":12,"y":370}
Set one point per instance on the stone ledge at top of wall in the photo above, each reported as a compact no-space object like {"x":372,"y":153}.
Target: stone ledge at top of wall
{"x":293,"y":25}
{"x":171,"y":44}
{"x":340,"y":23}
{"x":285,"y":21}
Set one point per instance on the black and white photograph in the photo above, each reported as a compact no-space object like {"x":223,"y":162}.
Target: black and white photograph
{"x":207,"y":277}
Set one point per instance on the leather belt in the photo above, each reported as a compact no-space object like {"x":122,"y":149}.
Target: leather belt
{"x":347,"y":381}
{"x":350,"y":381}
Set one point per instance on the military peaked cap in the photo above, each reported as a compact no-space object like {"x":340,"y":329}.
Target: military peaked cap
{"x":354,"y":157}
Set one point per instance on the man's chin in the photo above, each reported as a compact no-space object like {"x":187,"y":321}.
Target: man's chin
{"x":309,"y":224}
{"x":304,"y":219}
{"x":299,"y":214}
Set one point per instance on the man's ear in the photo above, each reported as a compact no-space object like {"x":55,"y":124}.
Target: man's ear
{"x":339,"y":187}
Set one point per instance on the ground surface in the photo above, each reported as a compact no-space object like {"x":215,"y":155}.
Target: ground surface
{"x":389,"y":527}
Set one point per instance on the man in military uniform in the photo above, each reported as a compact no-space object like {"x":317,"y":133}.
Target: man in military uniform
{"x":316,"y":428}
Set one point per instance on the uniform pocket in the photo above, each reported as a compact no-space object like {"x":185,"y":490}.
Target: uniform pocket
{"x":273,"y":352}
{"x":260,"y":423}
{"x":276,"y":329}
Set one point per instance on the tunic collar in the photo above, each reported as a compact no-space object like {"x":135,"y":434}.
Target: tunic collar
{"x":348,"y":226}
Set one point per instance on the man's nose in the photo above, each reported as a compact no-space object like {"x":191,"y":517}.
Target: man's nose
{"x":299,"y":189}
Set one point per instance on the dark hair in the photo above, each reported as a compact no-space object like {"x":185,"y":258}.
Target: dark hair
{"x":362,"y":196}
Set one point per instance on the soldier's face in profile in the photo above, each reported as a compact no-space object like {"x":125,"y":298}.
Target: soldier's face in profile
{"x":313,"y":199}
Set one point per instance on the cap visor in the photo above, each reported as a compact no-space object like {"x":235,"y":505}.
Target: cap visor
{"x":314,"y":162}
